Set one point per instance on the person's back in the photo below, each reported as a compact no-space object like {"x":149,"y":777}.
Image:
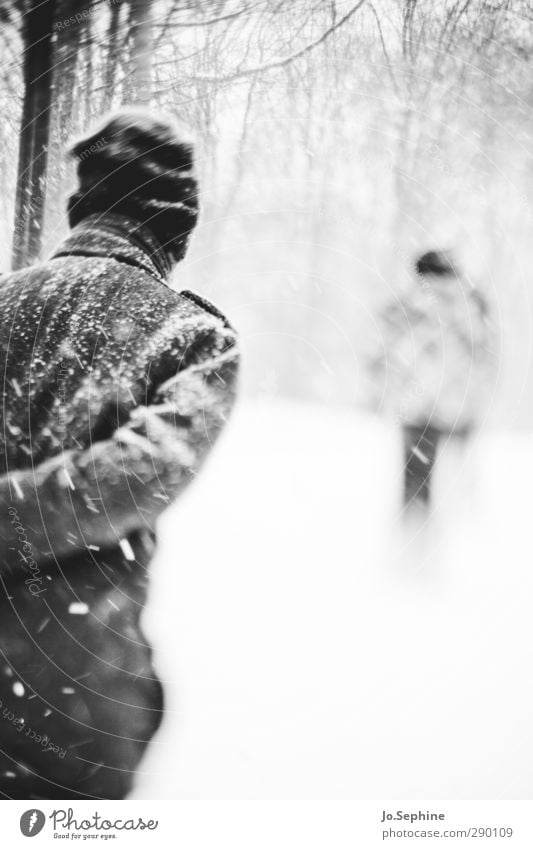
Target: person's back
{"x":84,"y":339}
{"x":115,"y":387}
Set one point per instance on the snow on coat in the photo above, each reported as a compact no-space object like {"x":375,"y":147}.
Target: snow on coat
{"x":114,"y":389}
{"x":437,"y":359}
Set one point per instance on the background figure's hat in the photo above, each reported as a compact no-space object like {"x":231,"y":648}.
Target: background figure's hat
{"x":142,"y":167}
{"x":439,"y":263}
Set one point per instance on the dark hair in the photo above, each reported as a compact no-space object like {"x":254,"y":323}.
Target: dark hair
{"x":438,"y":263}
{"x":142,"y":167}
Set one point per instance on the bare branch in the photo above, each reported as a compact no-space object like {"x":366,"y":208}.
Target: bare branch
{"x":281,"y":63}
{"x":385,"y":52}
{"x":210,"y":21}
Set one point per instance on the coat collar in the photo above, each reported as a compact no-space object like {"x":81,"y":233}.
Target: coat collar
{"x":117,"y":237}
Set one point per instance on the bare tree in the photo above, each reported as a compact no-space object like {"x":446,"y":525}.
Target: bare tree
{"x":38,"y":23}
{"x":141,"y":35}
{"x":112,"y":54}
{"x":69,"y":43}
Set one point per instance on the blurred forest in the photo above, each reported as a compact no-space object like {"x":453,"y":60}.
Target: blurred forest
{"x":335,"y":139}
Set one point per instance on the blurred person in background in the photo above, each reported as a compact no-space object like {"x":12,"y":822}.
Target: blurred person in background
{"x":436,"y":367}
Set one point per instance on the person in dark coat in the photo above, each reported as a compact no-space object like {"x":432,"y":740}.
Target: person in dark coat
{"x":115,"y":387}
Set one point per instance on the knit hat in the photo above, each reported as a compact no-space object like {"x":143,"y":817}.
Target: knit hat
{"x":439,"y":263}
{"x":140,"y":166}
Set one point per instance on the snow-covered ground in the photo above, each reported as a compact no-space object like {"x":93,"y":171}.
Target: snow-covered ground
{"x":314,"y":646}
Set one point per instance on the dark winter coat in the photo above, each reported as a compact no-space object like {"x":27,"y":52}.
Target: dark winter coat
{"x":114,"y":389}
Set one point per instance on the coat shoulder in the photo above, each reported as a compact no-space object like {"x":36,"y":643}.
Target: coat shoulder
{"x":205,"y":305}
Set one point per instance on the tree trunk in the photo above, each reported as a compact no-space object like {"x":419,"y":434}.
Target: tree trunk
{"x":111,"y":59}
{"x":34,"y":133}
{"x":141,"y":50}
{"x":66,"y":85}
